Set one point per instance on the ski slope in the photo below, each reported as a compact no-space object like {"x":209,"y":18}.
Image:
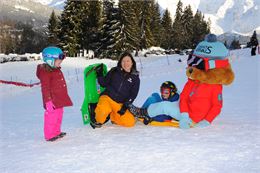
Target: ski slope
{"x":230,"y":144}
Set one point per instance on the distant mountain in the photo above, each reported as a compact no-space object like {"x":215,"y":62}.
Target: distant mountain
{"x":27,"y":11}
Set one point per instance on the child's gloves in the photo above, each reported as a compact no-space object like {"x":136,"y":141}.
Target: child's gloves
{"x":123,"y":109}
{"x":203,"y":123}
{"x":49,"y":106}
{"x":99,"y":70}
{"x":185,"y":121}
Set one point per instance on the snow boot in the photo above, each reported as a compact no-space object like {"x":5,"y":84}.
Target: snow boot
{"x":53,"y":139}
{"x":140,"y":113}
{"x":62,"y":134}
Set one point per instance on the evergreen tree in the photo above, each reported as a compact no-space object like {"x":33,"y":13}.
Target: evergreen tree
{"x":146,"y":36}
{"x":166,"y":30}
{"x":70,"y":28}
{"x":177,"y":30}
{"x":200,"y":28}
{"x":156,"y":27}
{"x":187,"y":23}
{"x":90,"y":25}
{"x":110,"y":31}
{"x":129,"y":26}
{"x":53,"y":30}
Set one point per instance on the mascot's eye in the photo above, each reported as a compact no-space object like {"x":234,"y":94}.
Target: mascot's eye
{"x":196,"y":62}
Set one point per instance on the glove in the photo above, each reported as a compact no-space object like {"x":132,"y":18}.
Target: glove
{"x":123,"y":109}
{"x":185,"y":121}
{"x":99,"y":70}
{"x":49,"y":106}
{"x":203,"y":123}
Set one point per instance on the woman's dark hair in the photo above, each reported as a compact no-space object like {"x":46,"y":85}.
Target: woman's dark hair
{"x":124,"y":54}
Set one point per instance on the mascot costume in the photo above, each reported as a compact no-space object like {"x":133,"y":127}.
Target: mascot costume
{"x":208,"y":70}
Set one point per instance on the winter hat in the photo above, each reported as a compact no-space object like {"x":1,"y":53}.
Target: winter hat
{"x":211,"y":48}
{"x":209,"y":54}
{"x":49,"y":55}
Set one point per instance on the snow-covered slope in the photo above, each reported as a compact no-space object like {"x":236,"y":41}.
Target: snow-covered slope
{"x":230,"y":144}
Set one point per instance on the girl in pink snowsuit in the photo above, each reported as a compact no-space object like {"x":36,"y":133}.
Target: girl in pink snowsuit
{"x":54,"y":92}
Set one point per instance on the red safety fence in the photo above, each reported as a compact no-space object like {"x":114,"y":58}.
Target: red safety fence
{"x":19,"y":83}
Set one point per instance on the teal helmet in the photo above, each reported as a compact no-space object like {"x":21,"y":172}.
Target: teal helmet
{"x":49,"y":55}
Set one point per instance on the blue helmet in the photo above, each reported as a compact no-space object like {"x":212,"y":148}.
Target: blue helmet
{"x":49,"y":55}
{"x":211,"y":48}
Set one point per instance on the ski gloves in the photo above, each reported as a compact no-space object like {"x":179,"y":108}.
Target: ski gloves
{"x":203,"y":123}
{"x":99,"y":70}
{"x":49,"y":106}
{"x":123,"y":109}
{"x":185,"y":122}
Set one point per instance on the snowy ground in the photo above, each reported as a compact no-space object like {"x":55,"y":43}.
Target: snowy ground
{"x":230,"y":144}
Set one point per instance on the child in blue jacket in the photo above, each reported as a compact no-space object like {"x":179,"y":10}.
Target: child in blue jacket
{"x":168,"y":93}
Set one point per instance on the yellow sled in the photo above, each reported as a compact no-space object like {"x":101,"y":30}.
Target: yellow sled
{"x":171,"y":123}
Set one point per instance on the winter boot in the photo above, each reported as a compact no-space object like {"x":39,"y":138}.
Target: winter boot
{"x":140,"y":113}
{"x":53,"y":139}
{"x":62,"y":134}
{"x":93,"y":123}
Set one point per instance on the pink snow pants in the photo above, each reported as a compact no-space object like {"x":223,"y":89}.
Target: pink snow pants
{"x":52,"y":123}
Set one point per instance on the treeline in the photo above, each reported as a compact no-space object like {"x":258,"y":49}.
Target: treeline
{"x":109,"y":29}
{"x":20,"y":38}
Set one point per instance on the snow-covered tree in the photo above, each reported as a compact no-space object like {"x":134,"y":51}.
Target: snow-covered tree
{"x":110,"y":31}
{"x":129,"y":25}
{"x":70,"y":27}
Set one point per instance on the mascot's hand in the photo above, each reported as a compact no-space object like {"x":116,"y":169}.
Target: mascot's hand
{"x":185,"y":121}
{"x":203,"y":123}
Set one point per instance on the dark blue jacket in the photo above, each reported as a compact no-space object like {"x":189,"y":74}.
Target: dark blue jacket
{"x":120,"y":86}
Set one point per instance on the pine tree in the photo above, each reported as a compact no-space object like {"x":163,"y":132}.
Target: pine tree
{"x":53,"y":30}
{"x":70,"y":27}
{"x":187,"y":23}
{"x":177,"y":30}
{"x":166,"y":30}
{"x":129,"y":25}
{"x":90,"y":25}
{"x":200,"y":28}
{"x":156,"y":27}
{"x":146,"y":36}
{"x":110,"y":31}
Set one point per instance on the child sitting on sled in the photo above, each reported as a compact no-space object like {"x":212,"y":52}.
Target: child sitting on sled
{"x":168,"y":91}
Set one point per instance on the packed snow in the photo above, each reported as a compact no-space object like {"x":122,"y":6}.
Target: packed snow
{"x":230,"y":144}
